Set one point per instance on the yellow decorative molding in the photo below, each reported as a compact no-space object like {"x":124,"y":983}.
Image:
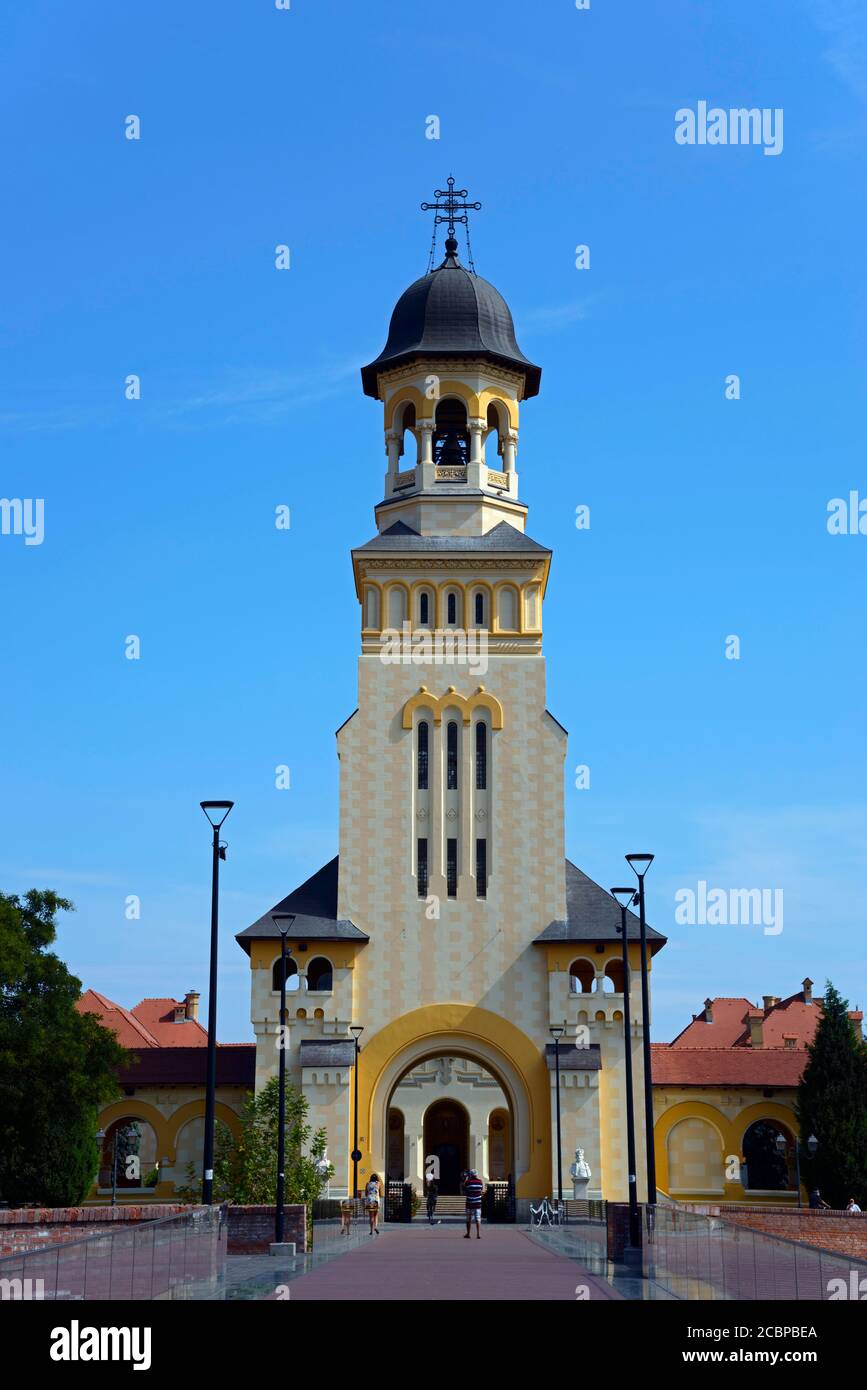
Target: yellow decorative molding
{"x":482,"y":699}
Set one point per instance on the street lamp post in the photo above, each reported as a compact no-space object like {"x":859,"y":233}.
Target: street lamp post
{"x":356,"y":1029}
{"x":283,"y":922}
{"x":216,"y":812}
{"x":624,"y":898}
{"x":557,"y":1030}
{"x":639,"y":864}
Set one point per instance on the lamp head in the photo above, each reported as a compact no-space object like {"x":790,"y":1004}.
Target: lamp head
{"x":639,"y":863}
{"x":356,"y":1029}
{"x":812,"y":1145}
{"x":283,"y":921}
{"x":216,"y":811}
{"x":623,"y":895}
{"x":557,"y":1030}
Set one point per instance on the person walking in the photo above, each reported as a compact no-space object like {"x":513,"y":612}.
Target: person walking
{"x":432,"y":1193}
{"x":473,"y":1192}
{"x":372,"y":1199}
{"x":816,"y":1201}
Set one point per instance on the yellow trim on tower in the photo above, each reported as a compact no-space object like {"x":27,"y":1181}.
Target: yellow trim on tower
{"x":482,"y":699}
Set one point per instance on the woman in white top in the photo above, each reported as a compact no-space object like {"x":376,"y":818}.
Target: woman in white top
{"x":372,"y":1198}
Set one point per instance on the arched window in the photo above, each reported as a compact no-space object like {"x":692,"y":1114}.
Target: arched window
{"x":480,"y":608}
{"x":423,"y":749}
{"x":493,"y":439}
{"x":452,"y":609}
{"x":507,"y":608}
{"x":452,"y":756}
{"x":769,"y":1164}
{"x":424,"y":609}
{"x":396,"y":606}
{"x":320,"y":974}
{"x":581,"y":976}
{"x":408,"y":451}
{"x":293,"y":979}
{"x":481,"y":756}
{"x":613,"y":980}
{"x":371,"y":607}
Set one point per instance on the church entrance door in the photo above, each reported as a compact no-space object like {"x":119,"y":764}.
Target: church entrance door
{"x":447,"y":1136}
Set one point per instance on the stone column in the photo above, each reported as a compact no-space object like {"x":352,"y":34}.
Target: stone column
{"x":392,"y":448}
{"x":426,"y":463}
{"x":510,"y":449}
{"x":476,"y":471}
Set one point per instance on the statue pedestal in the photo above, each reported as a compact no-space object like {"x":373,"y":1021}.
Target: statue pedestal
{"x":579,"y":1188}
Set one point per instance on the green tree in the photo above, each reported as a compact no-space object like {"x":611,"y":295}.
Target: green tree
{"x":57,"y":1067}
{"x":245,"y":1169}
{"x":832,"y":1105}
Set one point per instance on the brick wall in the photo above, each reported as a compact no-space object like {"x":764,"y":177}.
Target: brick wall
{"x":251,"y":1229}
{"x":826,"y":1230}
{"x":32,"y":1228}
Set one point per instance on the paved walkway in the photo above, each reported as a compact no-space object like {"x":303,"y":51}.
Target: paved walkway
{"x":423,"y":1263}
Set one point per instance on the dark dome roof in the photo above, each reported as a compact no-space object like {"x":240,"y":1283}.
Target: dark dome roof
{"x":451,"y":313}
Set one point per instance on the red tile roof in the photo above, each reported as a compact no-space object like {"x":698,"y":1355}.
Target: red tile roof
{"x":150,"y":1024}
{"x":158,"y":1016}
{"x":721,"y":1051}
{"x":726,"y":1066}
{"x":793,"y":1017}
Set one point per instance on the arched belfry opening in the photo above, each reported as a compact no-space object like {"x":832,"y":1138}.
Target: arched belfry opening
{"x":451,"y":441}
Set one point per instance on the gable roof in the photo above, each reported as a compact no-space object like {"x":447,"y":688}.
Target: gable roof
{"x":593,"y":915}
{"x":314,"y":904}
{"x":795,"y":1019}
{"x":158,"y":1016}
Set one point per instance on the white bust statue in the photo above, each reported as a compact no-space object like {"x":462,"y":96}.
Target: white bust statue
{"x":580,"y":1173}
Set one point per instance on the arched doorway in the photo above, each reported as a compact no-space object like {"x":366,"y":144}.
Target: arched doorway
{"x":769,"y":1164}
{"x":485,"y":1039}
{"x":447,"y":1138}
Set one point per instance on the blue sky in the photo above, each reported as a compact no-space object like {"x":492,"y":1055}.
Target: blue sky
{"x":708,"y":516}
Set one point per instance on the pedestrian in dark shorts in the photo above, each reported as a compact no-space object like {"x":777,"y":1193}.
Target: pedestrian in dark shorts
{"x":432,"y":1193}
{"x":473,"y":1191}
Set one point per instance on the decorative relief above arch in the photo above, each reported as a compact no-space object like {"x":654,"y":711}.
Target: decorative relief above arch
{"x":482,"y":699}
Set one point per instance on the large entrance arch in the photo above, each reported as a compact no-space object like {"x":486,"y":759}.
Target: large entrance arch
{"x":460,"y":1030}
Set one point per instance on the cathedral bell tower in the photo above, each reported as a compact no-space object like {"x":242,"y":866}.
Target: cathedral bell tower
{"x":451,"y":923}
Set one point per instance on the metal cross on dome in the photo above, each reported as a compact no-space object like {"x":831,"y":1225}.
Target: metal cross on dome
{"x":451,"y":210}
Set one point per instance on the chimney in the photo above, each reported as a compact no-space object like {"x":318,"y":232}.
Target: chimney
{"x":808,"y":990}
{"x":756,"y":1021}
{"x":769,"y":1000}
{"x":191,"y":1005}
{"x":708,"y":1011}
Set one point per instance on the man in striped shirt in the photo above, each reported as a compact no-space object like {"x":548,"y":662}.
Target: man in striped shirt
{"x":473,"y":1191}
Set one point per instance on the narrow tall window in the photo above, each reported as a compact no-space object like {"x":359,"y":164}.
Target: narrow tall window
{"x":480,"y":610}
{"x":452,"y":757}
{"x":423,"y":735}
{"x":481,"y":756}
{"x":452,"y":868}
{"x":421,"y":874}
{"x":481,"y":868}
{"x":423,"y":610}
{"x":452,"y":609}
